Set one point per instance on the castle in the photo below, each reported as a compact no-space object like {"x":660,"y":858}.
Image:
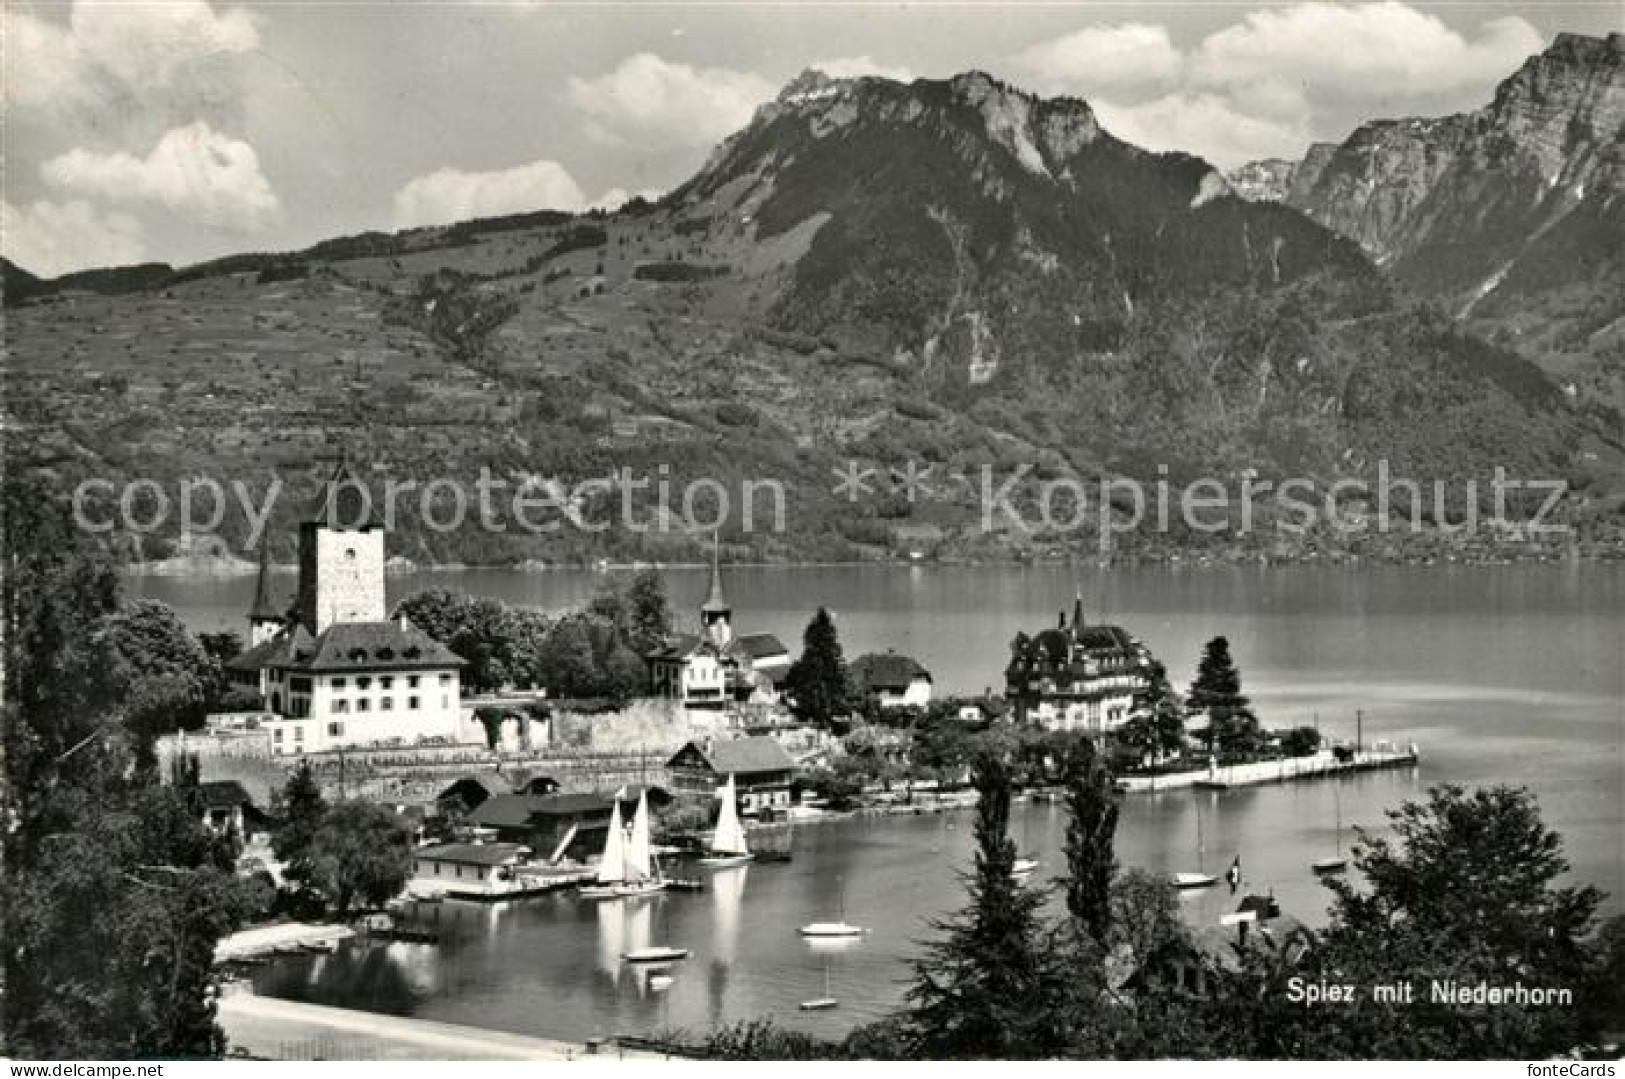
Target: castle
{"x":333,"y":670}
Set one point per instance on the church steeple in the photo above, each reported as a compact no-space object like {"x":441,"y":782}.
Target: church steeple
{"x":715,"y":614}
{"x":1077,"y":614}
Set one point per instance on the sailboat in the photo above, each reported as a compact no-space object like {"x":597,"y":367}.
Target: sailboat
{"x":1201,"y":878}
{"x":642,"y":875}
{"x":825,"y":1002}
{"x":728,"y":846}
{"x":612,"y":863}
{"x":1337,"y":863}
{"x":838,"y":928}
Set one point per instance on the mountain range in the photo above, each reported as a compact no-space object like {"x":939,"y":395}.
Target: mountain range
{"x":948,"y":278}
{"x":1512,"y":216}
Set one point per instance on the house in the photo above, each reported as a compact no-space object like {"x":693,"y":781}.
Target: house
{"x":713,"y":669}
{"x":332,"y":670}
{"x":1195,"y":964}
{"x":469,"y":793}
{"x":760,"y":767}
{"x":471,"y":870}
{"x":226,"y":807}
{"x":891,"y":680}
{"x":559,"y":826}
{"x":1084,"y":677}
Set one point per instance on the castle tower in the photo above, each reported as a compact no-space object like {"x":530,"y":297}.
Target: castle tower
{"x":265,"y":619}
{"x":715,"y":615}
{"x":341,"y":556}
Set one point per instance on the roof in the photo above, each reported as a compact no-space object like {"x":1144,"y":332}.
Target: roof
{"x":473,"y":853}
{"x":761,"y":645}
{"x":276,"y":652}
{"x":371,"y":646}
{"x":886,"y":671}
{"x":743,"y":756}
{"x":518,"y":810}
{"x":492,"y":785}
{"x":223,"y":794}
{"x":678,"y":646}
{"x":715,"y":601}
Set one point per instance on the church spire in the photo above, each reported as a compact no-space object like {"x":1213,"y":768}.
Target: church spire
{"x":715,"y":602}
{"x":1077,"y":613}
{"x":264,"y":608}
{"x":715,"y":614}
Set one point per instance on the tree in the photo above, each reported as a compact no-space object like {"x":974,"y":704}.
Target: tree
{"x":114,"y":895}
{"x":819,"y":686}
{"x":649,"y":611}
{"x":1217,"y":691}
{"x":988,"y":987}
{"x":169,"y":678}
{"x":1144,"y":915}
{"x":566,"y":664}
{"x":1300,"y":742}
{"x":439,"y":612}
{"x":360,"y":852}
{"x":303,"y":808}
{"x":1091,"y":799}
{"x":484,"y":639}
{"x":1466,"y":890}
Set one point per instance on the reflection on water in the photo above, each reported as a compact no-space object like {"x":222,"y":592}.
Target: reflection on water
{"x":1502,"y":674}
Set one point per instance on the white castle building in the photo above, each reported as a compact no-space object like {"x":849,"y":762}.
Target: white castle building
{"x":332,"y":668}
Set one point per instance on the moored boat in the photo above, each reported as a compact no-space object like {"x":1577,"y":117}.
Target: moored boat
{"x":659,"y":953}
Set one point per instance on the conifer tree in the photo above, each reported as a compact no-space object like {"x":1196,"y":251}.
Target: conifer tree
{"x":1090,"y":832}
{"x":990,"y":986}
{"x":819,"y":686}
{"x":1217,"y":691}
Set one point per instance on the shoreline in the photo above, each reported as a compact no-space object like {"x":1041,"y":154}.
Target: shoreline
{"x":236,"y":568}
{"x":272,"y":1028}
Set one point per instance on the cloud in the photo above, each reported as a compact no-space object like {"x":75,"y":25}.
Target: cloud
{"x":51,"y":238}
{"x":852,"y":67}
{"x":1371,"y":50}
{"x":113,"y":64}
{"x":1275,"y":80}
{"x":1101,"y":59}
{"x":1207,"y":125}
{"x":448,"y":195}
{"x":651,"y":102}
{"x":193,"y":171}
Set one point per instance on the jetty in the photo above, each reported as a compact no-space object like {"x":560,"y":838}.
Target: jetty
{"x":1315,"y":766}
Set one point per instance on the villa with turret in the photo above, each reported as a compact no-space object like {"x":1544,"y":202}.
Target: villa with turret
{"x":332,"y":668}
{"x":1082,"y":677}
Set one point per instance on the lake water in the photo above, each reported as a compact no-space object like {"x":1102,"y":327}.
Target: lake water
{"x":1501,"y":674}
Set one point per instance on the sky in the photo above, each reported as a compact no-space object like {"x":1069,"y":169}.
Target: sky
{"x":186,"y":129}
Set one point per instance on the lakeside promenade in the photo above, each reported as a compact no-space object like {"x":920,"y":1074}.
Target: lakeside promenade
{"x":273,"y":1029}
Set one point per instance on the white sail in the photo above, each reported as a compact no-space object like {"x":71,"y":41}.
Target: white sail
{"x":639,"y":855}
{"x":729,"y":838}
{"x":612,"y":866}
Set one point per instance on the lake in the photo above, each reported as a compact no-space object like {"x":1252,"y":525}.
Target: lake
{"x":1500,"y":673}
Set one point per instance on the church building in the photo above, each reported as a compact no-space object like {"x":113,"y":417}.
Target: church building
{"x":713,"y":668}
{"x":331,"y":666}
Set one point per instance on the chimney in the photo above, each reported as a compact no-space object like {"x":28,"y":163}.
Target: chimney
{"x":1062,"y":624}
